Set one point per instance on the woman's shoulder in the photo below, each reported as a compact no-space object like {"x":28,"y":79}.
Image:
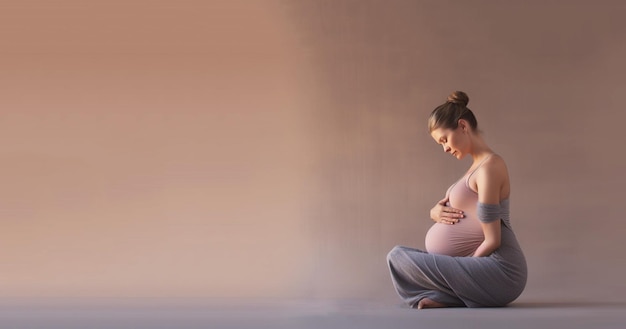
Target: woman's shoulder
{"x":495,"y":159}
{"x":494,"y":165}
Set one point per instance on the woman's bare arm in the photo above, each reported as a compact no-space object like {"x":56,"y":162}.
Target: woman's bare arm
{"x":489,"y":180}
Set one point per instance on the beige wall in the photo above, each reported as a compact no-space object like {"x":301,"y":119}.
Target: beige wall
{"x":278,"y":148}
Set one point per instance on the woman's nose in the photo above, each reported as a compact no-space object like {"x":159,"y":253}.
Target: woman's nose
{"x":446,"y":148}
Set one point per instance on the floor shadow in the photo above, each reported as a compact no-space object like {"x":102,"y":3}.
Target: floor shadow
{"x":568,"y":304}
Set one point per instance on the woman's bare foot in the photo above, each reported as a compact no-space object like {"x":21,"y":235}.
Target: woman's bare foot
{"x":429,"y":303}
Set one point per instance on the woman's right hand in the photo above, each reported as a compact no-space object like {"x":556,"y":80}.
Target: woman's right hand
{"x":444,"y":214}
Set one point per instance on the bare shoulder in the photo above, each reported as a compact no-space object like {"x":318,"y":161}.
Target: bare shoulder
{"x":494,"y":168}
{"x":496,"y":163}
{"x":492,"y":180}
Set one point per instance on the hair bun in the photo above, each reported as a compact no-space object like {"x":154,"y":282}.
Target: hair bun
{"x":458,"y":97}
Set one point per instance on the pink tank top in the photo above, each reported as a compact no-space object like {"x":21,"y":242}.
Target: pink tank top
{"x":462,"y":238}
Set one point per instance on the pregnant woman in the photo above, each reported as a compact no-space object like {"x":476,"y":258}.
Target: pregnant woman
{"x":473,"y":258}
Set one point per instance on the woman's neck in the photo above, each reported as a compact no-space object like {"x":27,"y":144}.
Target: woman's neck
{"x":480,"y":149}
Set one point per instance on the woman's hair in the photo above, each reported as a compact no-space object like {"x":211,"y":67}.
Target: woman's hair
{"x":448,"y":114}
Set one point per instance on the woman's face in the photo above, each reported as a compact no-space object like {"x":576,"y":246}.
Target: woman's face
{"x":454,"y":141}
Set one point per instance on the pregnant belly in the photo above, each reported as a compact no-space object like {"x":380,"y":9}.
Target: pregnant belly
{"x":460,"y":239}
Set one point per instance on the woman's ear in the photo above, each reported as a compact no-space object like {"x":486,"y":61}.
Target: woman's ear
{"x":463,"y":125}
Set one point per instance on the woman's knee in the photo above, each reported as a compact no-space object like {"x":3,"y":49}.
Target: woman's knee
{"x":393,"y":255}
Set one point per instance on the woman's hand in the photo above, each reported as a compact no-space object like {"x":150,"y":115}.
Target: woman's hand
{"x":442,"y":213}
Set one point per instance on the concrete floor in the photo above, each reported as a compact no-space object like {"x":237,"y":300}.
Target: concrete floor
{"x":182,"y":314}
